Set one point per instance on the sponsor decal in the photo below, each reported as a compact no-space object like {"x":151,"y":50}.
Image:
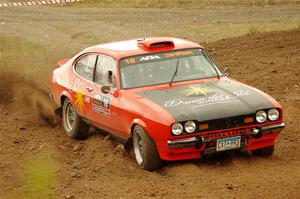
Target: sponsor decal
{"x":79,"y":100}
{"x":101,"y":104}
{"x":159,"y":56}
{"x":75,"y":86}
{"x":150,"y":57}
{"x":178,"y":54}
{"x":198,"y":91}
{"x":70,"y":85}
{"x":208,"y":100}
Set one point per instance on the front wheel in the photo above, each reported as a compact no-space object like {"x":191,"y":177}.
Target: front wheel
{"x":145,"y":150}
{"x":73,"y":124}
{"x":266,"y":151}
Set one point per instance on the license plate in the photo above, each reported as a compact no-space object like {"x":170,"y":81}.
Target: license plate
{"x":228,"y":143}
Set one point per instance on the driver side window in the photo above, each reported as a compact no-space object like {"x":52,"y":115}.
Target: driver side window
{"x":105,"y":72}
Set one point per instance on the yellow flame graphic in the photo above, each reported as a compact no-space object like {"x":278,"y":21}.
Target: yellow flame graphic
{"x":79,"y":100}
{"x":197,"y":91}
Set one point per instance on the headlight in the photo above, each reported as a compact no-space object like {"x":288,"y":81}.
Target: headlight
{"x":177,"y":129}
{"x":261,"y":116}
{"x":273,"y":114}
{"x":190,"y":126}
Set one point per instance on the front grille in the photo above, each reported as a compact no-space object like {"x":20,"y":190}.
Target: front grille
{"x":227,"y":123}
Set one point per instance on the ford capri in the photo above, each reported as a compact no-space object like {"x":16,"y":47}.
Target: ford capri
{"x":165,"y":98}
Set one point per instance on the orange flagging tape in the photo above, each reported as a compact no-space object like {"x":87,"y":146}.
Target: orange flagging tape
{"x":36,"y":3}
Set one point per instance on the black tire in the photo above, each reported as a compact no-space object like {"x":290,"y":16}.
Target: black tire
{"x":145,"y":150}
{"x":264,"y":152}
{"x":74,"y":127}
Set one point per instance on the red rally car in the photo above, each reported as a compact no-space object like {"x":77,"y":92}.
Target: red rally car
{"x":166,"y":97}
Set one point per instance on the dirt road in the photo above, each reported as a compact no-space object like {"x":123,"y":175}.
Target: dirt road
{"x":38,"y":161}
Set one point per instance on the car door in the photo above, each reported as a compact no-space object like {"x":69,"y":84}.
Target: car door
{"x":80,"y":89}
{"x":103,"y":105}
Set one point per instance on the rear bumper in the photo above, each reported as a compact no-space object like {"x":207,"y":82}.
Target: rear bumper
{"x":194,"y":147}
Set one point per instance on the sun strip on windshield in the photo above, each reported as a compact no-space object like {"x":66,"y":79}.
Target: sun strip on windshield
{"x":146,"y":58}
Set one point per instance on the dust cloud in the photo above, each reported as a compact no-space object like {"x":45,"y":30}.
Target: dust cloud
{"x":18,"y":91}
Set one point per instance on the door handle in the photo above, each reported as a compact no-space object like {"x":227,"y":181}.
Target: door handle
{"x":89,"y":89}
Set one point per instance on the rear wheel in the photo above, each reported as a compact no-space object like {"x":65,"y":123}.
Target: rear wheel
{"x":73,"y":124}
{"x":145,"y":150}
{"x":267,"y":151}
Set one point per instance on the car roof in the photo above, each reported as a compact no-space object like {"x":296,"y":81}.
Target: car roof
{"x":129,"y":48}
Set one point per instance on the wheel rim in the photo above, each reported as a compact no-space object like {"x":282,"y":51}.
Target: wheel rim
{"x":138,"y":148}
{"x":70,"y":116}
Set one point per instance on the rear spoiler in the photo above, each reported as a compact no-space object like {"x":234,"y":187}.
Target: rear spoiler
{"x":62,"y":62}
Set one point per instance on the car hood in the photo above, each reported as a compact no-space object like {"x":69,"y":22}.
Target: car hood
{"x":207,"y":101}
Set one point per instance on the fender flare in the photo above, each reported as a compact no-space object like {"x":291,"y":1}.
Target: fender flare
{"x":129,"y":142}
{"x":137,"y":121}
{"x":67,"y":95}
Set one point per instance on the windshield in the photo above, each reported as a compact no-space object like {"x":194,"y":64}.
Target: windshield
{"x":161,"y":68}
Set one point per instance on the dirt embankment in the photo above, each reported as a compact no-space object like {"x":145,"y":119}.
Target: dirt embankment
{"x":99,"y":168}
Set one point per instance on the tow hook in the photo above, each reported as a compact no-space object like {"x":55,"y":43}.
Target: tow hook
{"x":256,"y":132}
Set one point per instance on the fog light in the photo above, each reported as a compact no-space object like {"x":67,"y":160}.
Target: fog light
{"x":255,"y":131}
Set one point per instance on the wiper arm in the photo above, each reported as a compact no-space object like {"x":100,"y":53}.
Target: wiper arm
{"x":175,"y":73}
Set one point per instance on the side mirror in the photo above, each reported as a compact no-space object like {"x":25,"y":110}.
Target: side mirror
{"x":226,"y":71}
{"x":116,"y":93}
{"x":105,"y":89}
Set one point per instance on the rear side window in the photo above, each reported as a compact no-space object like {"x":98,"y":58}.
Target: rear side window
{"x":85,"y":66}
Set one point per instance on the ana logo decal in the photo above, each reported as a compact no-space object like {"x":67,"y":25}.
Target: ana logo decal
{"x":150,"y":57}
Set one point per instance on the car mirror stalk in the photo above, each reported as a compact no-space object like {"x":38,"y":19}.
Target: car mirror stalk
{"x":227,"y":71}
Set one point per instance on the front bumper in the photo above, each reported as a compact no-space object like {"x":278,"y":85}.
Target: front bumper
{"x":272,"y":127}
{"x":252,"y":138}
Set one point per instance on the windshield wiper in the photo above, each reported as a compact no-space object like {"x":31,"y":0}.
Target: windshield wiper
{"x":175,"y":73}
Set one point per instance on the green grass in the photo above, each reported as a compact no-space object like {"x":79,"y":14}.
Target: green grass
{"x":253,"y":30}
{"x":40,"y":179}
